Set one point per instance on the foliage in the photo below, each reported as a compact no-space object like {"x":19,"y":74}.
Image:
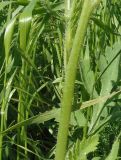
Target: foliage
{"x":37,"y":41}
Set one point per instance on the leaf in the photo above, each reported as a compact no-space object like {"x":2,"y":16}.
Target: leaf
{"x":17,"y":11}
{"x":109,"y":65}
{"x":8,"y":86}
{"x":58,"y":80}
{"x":4,"y":4}
{"x":8,"y":37}
{"x":77,"y":118}
{"x":89,"y":145}
{"x":105,"y":27}
{"x":80,"y":149}
{"x":96,"y":158}
{"x":25,"y":23}
{"x":101,"y":125}
{"x":110,"y":76}
{"x":98,"y":100}
{"x":87,"y":73}
{"x":113,"y":155}
{"x":58,"y":6}
{"x":40,"y":118}
{"x":116,"y":116}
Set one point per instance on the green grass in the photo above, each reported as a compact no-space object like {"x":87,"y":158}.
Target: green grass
{"x":60,"y":79}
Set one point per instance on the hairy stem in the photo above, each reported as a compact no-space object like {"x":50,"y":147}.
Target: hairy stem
{"x":70,"y":76}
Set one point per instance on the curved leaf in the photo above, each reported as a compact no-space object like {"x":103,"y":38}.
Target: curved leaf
{"x":8,"y":37}
{"x":25,"y":23}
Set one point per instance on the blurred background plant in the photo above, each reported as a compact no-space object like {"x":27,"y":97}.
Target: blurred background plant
{"x":32,"y":69}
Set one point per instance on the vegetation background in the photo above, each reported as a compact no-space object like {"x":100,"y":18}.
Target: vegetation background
{"x":36,"y":39}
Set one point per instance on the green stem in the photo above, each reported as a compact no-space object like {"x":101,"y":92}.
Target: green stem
{"x":70,"y":76}
{"x":2,"y":118}
{"x":68,"y":36}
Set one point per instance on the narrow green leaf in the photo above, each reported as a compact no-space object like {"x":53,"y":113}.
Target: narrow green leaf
{"x":58,"y":6}
{"x":40,"y":118}
{"x":4,"y":4}
{"x":8,"y":37}
{"x":25,"y":23}
{"x":114,"y":151}
{"x":96,"y":158}
{"x":105,"y":27}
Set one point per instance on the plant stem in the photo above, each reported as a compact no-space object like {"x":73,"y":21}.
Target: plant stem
{"x":70,"y":76}
{"x":68,"y":36}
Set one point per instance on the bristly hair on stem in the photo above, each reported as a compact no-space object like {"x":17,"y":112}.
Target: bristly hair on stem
{"x":70,"y":75}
